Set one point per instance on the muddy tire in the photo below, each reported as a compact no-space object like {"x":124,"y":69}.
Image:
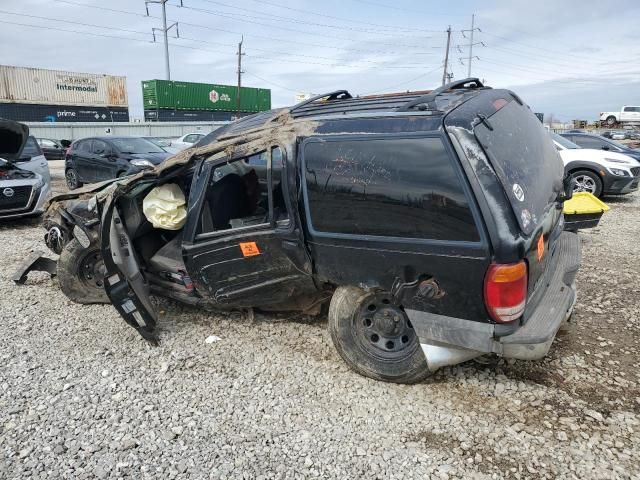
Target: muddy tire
{"x":374,"y":337}
{"x":81,"y":273}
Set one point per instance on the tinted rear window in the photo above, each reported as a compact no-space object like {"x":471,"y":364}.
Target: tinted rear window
{"x":406,"y":188}
{"x":525,"y":160}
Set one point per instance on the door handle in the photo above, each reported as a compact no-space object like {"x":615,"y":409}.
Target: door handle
{"x":289,"y":245}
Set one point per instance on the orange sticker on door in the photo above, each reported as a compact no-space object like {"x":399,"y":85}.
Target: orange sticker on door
{"x":249,"y":249}
{"x":540,"y":247}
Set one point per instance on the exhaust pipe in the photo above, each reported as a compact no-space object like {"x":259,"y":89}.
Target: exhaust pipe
{"x":441,"y":356}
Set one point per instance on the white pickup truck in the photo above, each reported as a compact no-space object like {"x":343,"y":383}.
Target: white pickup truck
{"x":628,"y":114}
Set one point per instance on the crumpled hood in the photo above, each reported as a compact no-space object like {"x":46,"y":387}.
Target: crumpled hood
{"x":599,"y":156}
{"x":13,"y":137}
{"x":279,"y":129}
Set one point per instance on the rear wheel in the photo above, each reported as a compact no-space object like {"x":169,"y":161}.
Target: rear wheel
{"x":73,"y":181}
{"x":81,"y":273}
{"x":374,"y":337}
{"x":587,"y":181}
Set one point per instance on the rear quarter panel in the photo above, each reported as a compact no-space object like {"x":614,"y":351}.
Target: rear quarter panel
{"x":384,"y":263}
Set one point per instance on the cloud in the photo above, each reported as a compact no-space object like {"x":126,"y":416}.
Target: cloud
{"x":573,"y":58}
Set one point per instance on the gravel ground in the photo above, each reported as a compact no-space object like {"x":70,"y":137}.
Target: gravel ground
{"x":83,"y":396}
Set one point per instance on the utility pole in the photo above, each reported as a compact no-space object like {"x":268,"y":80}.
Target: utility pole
{"x":446,"y":57}
{"x":164,"y":30}
{"x":240,"y":72}
{"x":470,"y":45}
{"x":473,"y":18}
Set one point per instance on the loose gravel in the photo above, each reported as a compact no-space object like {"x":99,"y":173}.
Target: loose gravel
{"x":228,"y":396}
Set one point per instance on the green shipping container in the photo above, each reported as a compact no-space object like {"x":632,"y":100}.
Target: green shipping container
{"x":157,"y":94}
{"x":163,"y":94}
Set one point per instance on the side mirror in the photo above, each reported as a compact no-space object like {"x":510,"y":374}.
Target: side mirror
{"x":605,"y":147}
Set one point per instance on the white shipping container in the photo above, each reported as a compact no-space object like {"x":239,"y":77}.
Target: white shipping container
{"x":55,"y":87}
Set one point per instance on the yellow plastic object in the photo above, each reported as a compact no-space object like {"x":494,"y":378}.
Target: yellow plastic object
{"x":165,"y":207}
{"x":583,"y":203}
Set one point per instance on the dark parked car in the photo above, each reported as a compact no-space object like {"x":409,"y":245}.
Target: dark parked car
{"x":431,"y":224}
{"x":597,"y":142}
{"x":97,"y":159}
{"x":52,"y":149}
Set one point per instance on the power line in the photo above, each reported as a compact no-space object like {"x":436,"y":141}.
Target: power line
{"x":235,"y":32}
{"x":92,"y":25}
{"x":104,"y":35}
{"x":422,"y":12}
{"x":554,"y":73}
{"x":374,"y":63}
{"x":270,"y":82}
{"x":389,"y":87}
{"x":324,"y":25}
{"x":246,"y":19}
{"x":535,"y":47}
{"x":258,"y":58}
{"x":274,"y":52}
{"x":350,"y":20}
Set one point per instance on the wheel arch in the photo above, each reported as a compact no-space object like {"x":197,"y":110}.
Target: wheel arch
{"x":575,"y":166}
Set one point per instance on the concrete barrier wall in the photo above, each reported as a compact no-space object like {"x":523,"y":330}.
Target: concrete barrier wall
{"x":75,"y":131}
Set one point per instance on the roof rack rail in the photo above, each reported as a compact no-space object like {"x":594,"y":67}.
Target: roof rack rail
{"x":338,"y":94}
{"x":430,"y":98}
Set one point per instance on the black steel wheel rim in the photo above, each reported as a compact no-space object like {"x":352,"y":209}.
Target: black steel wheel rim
{"x":92,"y":270}
{"x":383,"y":329}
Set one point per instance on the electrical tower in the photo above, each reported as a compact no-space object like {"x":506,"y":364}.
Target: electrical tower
{"x":470,"y":45}
{"x":164,"y":30}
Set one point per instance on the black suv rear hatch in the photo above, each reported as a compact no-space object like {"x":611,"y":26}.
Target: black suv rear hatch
{"x":525,"y":161}
{"x":531,"y":173}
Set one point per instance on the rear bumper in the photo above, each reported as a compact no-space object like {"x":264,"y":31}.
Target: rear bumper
{"x":448,"y":340}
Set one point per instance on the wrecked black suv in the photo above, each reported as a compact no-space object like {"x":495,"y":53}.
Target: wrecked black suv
{"x":431,"y":224}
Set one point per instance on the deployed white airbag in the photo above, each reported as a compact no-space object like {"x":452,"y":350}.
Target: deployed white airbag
{"x":165,"y":207}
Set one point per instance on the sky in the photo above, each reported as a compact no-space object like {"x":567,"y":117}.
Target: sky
{"x":569,"y":59}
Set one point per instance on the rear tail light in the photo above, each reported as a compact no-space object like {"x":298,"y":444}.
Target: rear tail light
{"x":505,"y":291}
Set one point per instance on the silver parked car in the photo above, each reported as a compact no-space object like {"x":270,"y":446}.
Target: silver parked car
{"x":24,"y":172}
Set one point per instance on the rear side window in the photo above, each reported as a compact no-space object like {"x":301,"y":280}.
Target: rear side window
{"x":83,"y":146}
{"x":400,"y":187}
{"x":589,"y":142}
{"x":99,"y":147}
